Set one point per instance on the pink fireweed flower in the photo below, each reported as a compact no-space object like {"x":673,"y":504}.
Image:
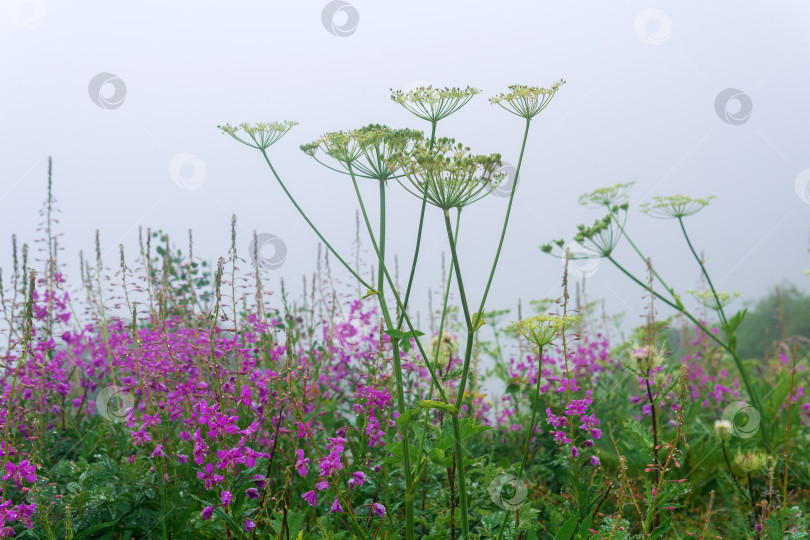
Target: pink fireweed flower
{"x":208,"y":477}
{"x":149,"y":421}
{"x":568,"y":384}
{"x":302,"y":463}
{"x":140,"y":437}
{"x":200,"y":448}
{"x":322,"y":484}
{"x":249,"y":525}
{"x":207,"y":512}
{"x":252,"y":493}
{"x":20,"y":472}
{"x":336,"y":444}
{"x":311,"y":497}
{"x":555,"y":420}
{"x":560,"y":437}
{"x":245,"y":396}
{"x":594,"y":461}
{"x":158,"y":451}
{"x":303,"y":429}
{"x":378,"y":510}
{"x":221,"y":425}
{"x":260,"y":481}
{"x":589,"y":424}
{"x":358,"y":479}
{"x":336,"y":507}
{"x":226,"y":497}
{"x":230,"y":457}
{"x":330,"y":464}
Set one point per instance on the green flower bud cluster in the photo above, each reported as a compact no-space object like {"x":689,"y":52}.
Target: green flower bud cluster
{"x":447,"y":174}
{"x":364,"y":151}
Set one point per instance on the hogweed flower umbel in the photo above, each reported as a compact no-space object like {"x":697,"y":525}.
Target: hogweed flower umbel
{"x":710,"y":298}
{"x":447,"y":174}
{"x":526,"y":101}
{"x":542,"y":329}
{"x":433,"y":104}
{"x":674,"y":206}
{"x":263,"y":134}
{"x":606,"y":196}
{"x":365,"y":152}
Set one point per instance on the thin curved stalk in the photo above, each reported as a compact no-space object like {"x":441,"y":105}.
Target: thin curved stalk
{"x":734,"y":355}
{"x":705,"y":273}
{"x":479,"y":314}
{"x":312,"y":225}
{"x":640,"y":254}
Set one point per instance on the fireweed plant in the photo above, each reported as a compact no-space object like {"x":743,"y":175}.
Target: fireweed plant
{"x":158,"y":396}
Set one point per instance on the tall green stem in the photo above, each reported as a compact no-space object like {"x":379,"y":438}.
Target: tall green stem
{"x":418,"y":237}
{"x":406,"y":457}
{"x":462,"y":486}
{"x":705,"y":273}
{"x":529,"y":434}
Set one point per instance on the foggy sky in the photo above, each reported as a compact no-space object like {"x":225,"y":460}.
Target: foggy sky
{"x":640,"y":104}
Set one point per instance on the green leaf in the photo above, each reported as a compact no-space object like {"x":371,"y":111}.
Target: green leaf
{"x":231,"y":523}
{"x":568,"y":529}
{"x":404,"y":419}
{"x":430,"y":404}
{"x":481,"y":322}
{"x":95,"y":528}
